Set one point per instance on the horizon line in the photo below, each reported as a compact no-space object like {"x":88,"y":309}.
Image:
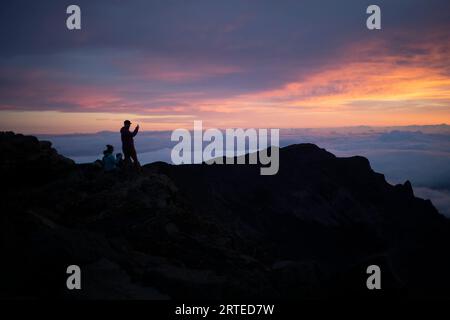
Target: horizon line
{"x":206,"y":128}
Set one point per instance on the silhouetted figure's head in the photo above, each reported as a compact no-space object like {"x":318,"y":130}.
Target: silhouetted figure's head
{"x":109,"y":149}
{"x":127,"y":123}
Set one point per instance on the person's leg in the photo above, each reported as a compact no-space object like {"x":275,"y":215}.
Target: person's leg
{"x":127,"y":158}
{"x":135,"y":159}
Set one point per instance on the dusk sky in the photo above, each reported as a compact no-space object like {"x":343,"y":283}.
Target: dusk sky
{"x":164,"y":64}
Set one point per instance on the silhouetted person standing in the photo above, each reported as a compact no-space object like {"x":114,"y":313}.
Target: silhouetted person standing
{"x":128,"y":149}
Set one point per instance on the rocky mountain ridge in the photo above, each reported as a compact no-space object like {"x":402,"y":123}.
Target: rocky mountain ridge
{"x":214,"y":231}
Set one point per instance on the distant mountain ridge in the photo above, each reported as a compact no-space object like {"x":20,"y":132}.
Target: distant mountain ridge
{"x":214,"y":231}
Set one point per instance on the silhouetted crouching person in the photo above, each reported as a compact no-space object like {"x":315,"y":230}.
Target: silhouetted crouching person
{"x":128,"y":149}
{"x":109,"y":161}
{"x":119,"y":160}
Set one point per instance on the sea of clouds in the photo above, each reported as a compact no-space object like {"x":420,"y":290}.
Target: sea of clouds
{"x":420,"y":154}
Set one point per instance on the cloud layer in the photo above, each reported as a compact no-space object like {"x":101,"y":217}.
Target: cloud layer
{"x":420,"y":154}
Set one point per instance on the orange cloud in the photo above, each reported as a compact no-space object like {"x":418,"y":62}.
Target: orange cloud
{"x":370,"y":83}
{"x":367,"y":84}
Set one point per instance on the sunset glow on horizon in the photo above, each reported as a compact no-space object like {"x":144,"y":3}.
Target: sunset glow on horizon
{"x":246,"y":65}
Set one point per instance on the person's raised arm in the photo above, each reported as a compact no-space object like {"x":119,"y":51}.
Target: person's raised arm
{"x":136,"y":130}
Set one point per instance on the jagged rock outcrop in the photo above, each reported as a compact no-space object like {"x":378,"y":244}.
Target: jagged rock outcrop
{"x":200,"y":231}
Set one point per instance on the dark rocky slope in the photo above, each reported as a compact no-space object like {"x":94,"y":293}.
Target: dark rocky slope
{"x":199,"y":231}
